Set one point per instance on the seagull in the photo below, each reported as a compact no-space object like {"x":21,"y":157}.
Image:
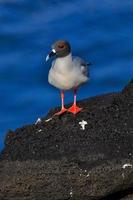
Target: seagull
{"x":66,"y":73}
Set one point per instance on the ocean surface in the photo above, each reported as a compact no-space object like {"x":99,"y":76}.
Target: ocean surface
{"x":99,"y":31}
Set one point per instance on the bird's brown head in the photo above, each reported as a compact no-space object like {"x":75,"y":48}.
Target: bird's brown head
{"x":60,"y":48}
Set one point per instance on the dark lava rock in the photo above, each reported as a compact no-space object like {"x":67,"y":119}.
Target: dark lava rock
{"x":58,"y":160}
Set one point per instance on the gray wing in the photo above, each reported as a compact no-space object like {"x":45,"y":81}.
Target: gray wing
{"x":82,"y":64}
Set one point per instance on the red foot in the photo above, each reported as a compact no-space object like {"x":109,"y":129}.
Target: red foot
{"x":74,"y":109}
{"x":63,"y":110}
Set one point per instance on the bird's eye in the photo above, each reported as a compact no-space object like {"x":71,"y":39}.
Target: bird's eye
{"x":61,"y":46}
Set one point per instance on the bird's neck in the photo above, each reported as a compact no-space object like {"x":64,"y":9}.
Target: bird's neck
{"x":65,"y":59}
{"x":64,"y":63}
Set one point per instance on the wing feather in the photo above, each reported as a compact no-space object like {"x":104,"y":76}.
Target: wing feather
{"x":82,"y":64}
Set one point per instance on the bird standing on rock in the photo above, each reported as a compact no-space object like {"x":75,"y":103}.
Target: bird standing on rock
{"x":67,"y":72}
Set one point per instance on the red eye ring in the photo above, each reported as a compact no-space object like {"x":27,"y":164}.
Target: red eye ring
{"x":61,"y":46}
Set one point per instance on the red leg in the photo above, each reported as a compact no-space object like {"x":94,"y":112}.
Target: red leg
{"x":63,"y":109}
{"x":74,"y":108}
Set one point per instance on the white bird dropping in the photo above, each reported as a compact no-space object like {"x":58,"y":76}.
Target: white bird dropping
{"x":127,"y":165}
{"x":82,"y":124}
{"x":38,"y":121}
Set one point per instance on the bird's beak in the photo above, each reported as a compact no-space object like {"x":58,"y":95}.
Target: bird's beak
{"x":52,"y":53}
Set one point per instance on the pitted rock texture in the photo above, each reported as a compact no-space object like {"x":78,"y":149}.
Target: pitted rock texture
{"x":56,"y":159}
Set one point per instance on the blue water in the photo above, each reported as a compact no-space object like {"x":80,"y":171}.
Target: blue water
{"x":99,"y":31}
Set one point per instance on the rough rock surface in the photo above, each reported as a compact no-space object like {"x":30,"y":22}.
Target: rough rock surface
{"x":58,"y":160}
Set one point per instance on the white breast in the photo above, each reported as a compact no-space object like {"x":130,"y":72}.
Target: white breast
{"x":65,"y":75}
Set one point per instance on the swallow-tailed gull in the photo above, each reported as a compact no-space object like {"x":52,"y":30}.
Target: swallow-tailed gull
{"x":67,"y":72}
